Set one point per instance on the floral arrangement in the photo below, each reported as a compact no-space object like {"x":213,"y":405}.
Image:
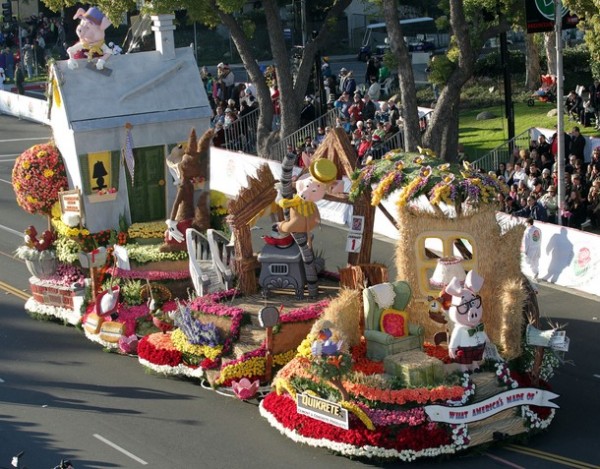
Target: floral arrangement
{"x":110,"y":190}
{"x":424,"y":175}
{"x":37,"y":177}
{"x":196,"y":332}
{"x":330,"y":360}
{"x":151,"y":253}
{"x":147,"y":230}
{"x":67,"y":275}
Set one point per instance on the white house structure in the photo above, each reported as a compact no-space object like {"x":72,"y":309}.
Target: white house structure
{"x":157,"y":95}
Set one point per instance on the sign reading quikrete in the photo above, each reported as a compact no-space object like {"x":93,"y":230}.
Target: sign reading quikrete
{"x":491,"y":406}
{"x":320,"y":409}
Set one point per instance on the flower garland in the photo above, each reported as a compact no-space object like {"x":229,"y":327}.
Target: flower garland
{"x":425,"y":175}
{"x":151,"y":275}
{"x":504,"y":377}
{"x":181,"y":343}
{"x":68,"y":315}
{"x":360,"y":414}
{"x":384,"y":417}
{"x":251,"y":364}
{"x":178,"y":370}
{"x":437,"y":351}
{"x":306,"y":313}
{"x":403,"y":396}
{"x":460,"y":436}
{"x":534,"y":419}
{"x":468,"y":387}
{"x":405,"y":444}
{"x":37,"y":177}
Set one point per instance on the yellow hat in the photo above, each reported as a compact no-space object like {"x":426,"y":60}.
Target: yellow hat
{"x":323,"y":170}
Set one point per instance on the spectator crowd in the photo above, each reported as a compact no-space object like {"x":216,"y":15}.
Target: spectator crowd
{"x":532,"y":177}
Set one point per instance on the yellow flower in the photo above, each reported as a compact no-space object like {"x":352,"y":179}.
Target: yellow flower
{"x":444,"y":167}
{"x":418,"y":160}
{"x":48,"y":173}
{"x":26,"y":164}
{"x":181,"y":343}
{"x":31,"y":199}
{"x":42,"y":154}
{"x":364,"y":418}
{"x":27,"y":177}
{"x":304,"y":349}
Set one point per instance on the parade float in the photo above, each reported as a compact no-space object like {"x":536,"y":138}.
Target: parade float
{"x":447,"y":356}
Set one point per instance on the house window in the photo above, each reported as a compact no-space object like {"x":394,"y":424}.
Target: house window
{"x":432,"y":246}
{"x":99,"y":171}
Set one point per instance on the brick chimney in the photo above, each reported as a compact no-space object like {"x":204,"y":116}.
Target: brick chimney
{"x":163,"y":28}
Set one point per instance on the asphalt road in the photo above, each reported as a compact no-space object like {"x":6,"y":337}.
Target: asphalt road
{"x":61,"y":396}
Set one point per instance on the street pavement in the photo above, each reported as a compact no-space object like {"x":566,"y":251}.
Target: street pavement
{"x":61,"y":396}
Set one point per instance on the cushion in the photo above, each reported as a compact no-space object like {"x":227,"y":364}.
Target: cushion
{"x":394,"y":322}
{"x":383,"y":294}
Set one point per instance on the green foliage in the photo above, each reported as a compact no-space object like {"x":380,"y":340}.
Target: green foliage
{"x":131,"y":292}
{"x":67,"y":250}
{"x":490,"y":65}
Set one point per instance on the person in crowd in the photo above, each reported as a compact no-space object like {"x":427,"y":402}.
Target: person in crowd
{"x":595,"y":101}
{"x":230,"y":118}
{"x":308,"y":112}
{"x":369,"y":108}
{"x":546,"y":179}
{"x":543,"y":147}
{"x":577,"y":146}
{"x":20,"y":78}
{"x":566,"y":144}
{"x":537,"y":189}
{"x":357,"y":134}
{"x":350,"y":83}
{"x":550,"y":203}
{"x":593,"y":173}
{"x":533,"y":176}
{"x":40,"y":53}
{"x":363,"y":148}
{"x":342,"y":104}
{"x":593,"y":205}
{"x":2,"y":78}
{"x":355,"y":109}
{"x":320,"y":137}
{"x":522,"y":190}
{"x":574,"y":211}
{"x":226,"y":80}
{"x":384,"y":72}
{"x":501,"y":200}
{"x":275,"y":96}
{"x":588,"y":112}
{"x":9,"y":69}
{"x":371,"y":71}
{"x":383,"y":114}
{"x":219,"y":117}
{"x":578,"y":184}
{"x":519,"y":173}
{"x":342,"y":78}
{"x":374,"y":91}
{"x":28,"y":55}
{"x":573,"y":105}
{"x":237,"y":94}
{"x":501,"y":171}
{"x":533,"y":209}
{"x":511,"y":205}
{"x":326,"y":68}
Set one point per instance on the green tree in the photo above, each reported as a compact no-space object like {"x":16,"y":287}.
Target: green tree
{"x":230,"y":14}
{"x":589,"y":12}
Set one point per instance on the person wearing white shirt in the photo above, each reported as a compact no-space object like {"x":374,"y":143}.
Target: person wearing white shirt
{"x":532,"y":248}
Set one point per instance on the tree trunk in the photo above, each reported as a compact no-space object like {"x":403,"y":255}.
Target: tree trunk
{"x":408,"y":93}
{"x":550,"y":46}
{"x":442,"y":131}
{"x":532,"y":63}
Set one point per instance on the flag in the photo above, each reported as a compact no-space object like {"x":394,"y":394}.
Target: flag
{"x":128,"y":152}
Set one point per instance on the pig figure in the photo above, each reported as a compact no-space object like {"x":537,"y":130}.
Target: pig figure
{"x":468,"y":340}
{"x":91,"y":38}
{"x":310,"y":188}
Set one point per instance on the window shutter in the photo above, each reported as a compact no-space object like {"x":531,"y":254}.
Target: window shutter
{"x":115,"y":164}
{"x":84,"y":169}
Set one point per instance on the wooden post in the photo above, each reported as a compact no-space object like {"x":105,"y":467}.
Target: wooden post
{"x":364,"y":208}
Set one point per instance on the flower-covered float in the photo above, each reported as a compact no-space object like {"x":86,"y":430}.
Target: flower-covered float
{"x":370,"y":381}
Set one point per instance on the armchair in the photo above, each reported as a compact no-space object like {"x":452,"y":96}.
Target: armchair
{"x":387,"y":330}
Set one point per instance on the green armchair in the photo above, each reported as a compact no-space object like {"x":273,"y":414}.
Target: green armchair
{"x":387,"y":329}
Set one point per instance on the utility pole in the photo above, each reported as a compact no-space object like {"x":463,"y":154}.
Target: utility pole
{"x":508,"y":103}
{"x":560,"y":160}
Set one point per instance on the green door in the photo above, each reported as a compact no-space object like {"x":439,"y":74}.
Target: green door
{"x":147,"y":195}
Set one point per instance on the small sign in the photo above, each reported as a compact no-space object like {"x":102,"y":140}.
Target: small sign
{"x":322,"y":410}
{"x":70,"y":202}
{"x":354,"y":242}
{"x":358,"y":224}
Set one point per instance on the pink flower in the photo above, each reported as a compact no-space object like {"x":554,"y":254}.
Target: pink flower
{"x":128,"y":345}
{"x":244,"y":389}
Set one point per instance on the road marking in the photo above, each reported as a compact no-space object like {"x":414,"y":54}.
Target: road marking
{"x":8,"y":158}
{"x":118,"y":448}
{"x":551,"y":457}
{"x":10,"y":230}
{"x":1,"y":380}
{"x":7,"y":182}
{"x":504,"y":461}
{"x":14,"y":291}
{"x":596,"y":376}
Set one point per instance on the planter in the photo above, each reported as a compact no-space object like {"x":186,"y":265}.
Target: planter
{"x":41,"y":268}
{"x":96,"y":258}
